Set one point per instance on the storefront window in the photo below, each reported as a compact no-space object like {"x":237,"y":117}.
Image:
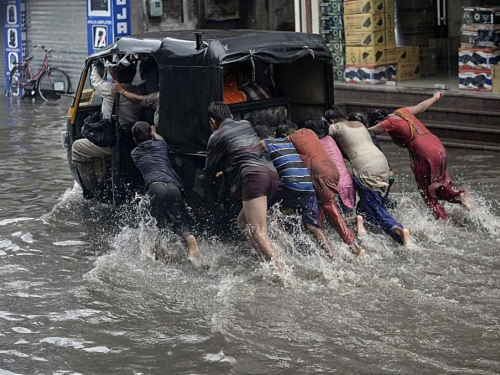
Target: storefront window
{"x":415,"y":43}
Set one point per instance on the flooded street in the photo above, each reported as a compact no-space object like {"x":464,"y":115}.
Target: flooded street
{"x":81,"y":293}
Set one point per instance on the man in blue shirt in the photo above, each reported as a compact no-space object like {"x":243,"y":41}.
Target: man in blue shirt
{"x":296,"y":190}
{"x":163,"y":184}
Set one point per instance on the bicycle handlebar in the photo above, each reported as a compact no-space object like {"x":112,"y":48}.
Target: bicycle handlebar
{"x":47,"y":51}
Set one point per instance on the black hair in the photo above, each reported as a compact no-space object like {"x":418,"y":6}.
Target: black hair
{"x":335,"y":113}
{"x":357,"y":116}
{"x":219,"y":111}
{"x":375,"y":116}
{"x":318,"y":125}
{"x":263,"y":131}
{"x":126,"y":75}
{"x":286,"y":128}
{"x":142,"y":132}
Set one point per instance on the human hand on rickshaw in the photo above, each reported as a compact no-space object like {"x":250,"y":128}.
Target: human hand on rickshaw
{"x":118,"y":88}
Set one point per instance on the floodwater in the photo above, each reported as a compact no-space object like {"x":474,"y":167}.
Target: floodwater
{"x":81,"y":293}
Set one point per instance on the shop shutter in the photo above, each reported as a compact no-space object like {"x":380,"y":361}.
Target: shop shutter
{"x":2,"y":63}
{"x":62,"y":26}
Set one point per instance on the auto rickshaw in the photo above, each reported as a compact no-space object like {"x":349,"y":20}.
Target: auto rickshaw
{"x":295,"y":68}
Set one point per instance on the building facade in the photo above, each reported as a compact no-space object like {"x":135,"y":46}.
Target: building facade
{"x":443,"y":44}
{"x":76,"y":28}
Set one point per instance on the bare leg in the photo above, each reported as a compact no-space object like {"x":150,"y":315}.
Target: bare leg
{"x":192,"y":245}
{"x":404,"y":234}
{"x":360,"y":225}
{"x":465,"y":200}
{"x":322,"y":239}
{"x":252,"y":221}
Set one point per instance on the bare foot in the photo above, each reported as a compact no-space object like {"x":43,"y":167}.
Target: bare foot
{"x":193,"y":250}
{"x":465,"y":200}
{"x":361,"y":227}
{"x":404,"y":234}
{"x":159,"y":254}
{"x":356,"y":250}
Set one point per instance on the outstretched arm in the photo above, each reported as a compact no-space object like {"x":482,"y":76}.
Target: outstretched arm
{"x":421,"y":107}
{"x":377,"y":129}
{"x":127,"y":94}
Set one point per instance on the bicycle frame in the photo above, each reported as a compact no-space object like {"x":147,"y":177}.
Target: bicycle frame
{"x":44,"y":67}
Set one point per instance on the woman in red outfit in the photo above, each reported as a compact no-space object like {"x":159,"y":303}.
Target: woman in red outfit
{"x":325,"y":178}
{"x":429,"y":159}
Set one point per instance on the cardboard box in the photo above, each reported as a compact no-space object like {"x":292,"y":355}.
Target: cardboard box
{"x":476,"y":80}
{"x":331,"y":8}
{"x":338,"y":60}
{"x":390,"y":21}
{"x":481,"y":15}
{"x":370,"y":55}
{"x":408,"y":54}
{"x":339,"y":75}
{"x":364,"y":22}
{"x":390,"y":6}
{"x":367,"y":74}
{"x":333,"y":36}
{"x":480,"y":36}
{"x":408,"y":70}
{"x":364,"y":6}
{"x":332,"y":23}
{"x":495,"y":78}
{"x":336,"y":47}
{"x":478,"y":58}
{"x":370,"y":38}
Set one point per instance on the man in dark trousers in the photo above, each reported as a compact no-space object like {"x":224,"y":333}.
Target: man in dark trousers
{"x":163,"y":184}
{"x":234,"y":149}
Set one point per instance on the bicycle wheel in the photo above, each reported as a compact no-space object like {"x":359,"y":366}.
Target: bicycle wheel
{"x":18,"y":76}
{"x":52,"y":84}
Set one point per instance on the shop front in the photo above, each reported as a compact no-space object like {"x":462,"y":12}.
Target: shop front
{"x":450,"y":45}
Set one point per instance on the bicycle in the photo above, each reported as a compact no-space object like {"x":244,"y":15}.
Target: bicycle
{"x":49,"y":82}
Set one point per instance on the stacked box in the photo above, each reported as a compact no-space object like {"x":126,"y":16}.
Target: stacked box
{"x":371,"y":52}
{"x":479,"y":53}
{"x":332,"y":30}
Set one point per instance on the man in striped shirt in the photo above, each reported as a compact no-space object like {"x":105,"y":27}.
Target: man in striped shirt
{"x":296,"y":190}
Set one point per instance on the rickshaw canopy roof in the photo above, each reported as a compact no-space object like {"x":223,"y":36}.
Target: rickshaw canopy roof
{"x":221,"y":47}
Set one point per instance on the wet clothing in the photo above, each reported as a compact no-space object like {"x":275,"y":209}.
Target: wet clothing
{"x":168,"y":207}
{"x":429,"y":159}
{"x":368,"y":163}
{"x":371,"y":207}
{"x":346,"y":187}
{"x":296,"y":190}
{"x":257,"y":182}
{"x":235,"y":149}
{"x":305,"y":204}
{"x":325,"y":178}
{"x":371,"y":173}
{"x":152,"y":159}
{"x":292,"y":171}
{"x":163,"y":185}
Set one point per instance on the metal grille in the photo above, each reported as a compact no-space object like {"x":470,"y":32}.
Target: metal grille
{"x":2,"y":63}
{"x":62,"y":25}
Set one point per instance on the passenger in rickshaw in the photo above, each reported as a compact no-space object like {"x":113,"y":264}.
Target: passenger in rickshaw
{"x":296,"y":191}
{"x":88,"y":157}
{"x":163,"y":184}
{"x":150,"y":101}
{"x":234,"y":149}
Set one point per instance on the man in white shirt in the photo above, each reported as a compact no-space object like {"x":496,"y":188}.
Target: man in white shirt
{"x":88,"y":157}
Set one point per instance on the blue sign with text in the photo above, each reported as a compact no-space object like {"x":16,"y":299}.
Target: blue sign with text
{"x":107,"y":21}
{"x":14,"y":39}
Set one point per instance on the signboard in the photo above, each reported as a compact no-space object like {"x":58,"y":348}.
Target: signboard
{"x":107,"y":21}
{"x":14,"y":37}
